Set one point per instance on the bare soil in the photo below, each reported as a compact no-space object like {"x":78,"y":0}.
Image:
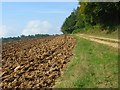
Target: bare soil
{"x":35,"y":63}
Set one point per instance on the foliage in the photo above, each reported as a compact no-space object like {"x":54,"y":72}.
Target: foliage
{"x":90,"y":14}
{"x":22,"y":37}
{"x":69,"y":24}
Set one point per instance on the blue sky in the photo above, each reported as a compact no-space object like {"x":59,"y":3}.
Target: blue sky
{"x":34,"y":17}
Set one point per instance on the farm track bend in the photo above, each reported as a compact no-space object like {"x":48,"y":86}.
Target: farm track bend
{"x":107,"y":41}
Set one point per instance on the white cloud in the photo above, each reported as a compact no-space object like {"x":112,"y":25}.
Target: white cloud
{"x":37,"y":27}
{"x":3,"y":30}
{"x":7,"y":31}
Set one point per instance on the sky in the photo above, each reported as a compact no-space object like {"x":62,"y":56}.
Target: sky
{"x":29,"y":18}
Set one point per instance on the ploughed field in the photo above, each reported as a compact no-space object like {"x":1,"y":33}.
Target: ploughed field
{"x":35,"y":63}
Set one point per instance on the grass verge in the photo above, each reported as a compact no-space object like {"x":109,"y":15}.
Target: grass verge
{"x":104,"y":33}
{"x":93,"y":66}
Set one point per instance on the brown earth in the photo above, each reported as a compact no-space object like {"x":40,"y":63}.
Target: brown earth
{"x":35,"y":63}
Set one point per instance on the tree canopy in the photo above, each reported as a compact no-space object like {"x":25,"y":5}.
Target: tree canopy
{"x":105,"y":14}
{"x":23,"y":37}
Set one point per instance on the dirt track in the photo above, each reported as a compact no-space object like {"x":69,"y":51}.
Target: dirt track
{"x":106,"y":41}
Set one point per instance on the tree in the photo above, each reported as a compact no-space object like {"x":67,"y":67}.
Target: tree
{"x":69,"y":24}
{"x":89,"y":14}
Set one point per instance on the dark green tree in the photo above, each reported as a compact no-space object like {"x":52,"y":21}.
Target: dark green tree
{"x":69,"y":24}
{"x":89,"y":14}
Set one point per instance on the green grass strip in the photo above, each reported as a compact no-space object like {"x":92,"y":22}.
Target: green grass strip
{"x":93,"y":66}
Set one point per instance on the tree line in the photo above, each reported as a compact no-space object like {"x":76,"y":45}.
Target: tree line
{"x":23,"y":37}
{"x":103,"y":15}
